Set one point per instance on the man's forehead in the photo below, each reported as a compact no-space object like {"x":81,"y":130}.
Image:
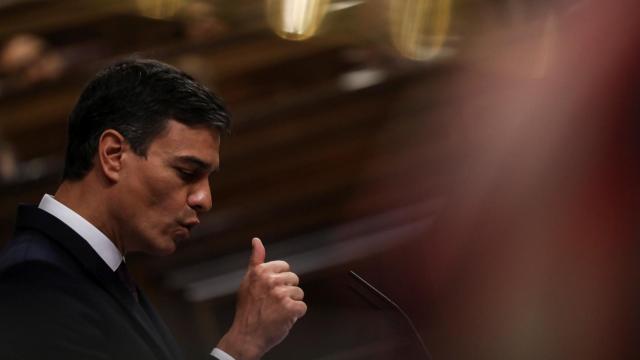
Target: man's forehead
{"x":193,"y":146}
{"x":175,"y":128}
{"x":179,"y":136}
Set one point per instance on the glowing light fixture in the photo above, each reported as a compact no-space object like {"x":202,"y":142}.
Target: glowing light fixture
{"x":419,"y":28}
{"x":159,"y":9}
{"x":296,"y":19}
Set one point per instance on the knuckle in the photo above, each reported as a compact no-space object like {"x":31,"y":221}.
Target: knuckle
{"x":301,"y":309}
{"x":284,"y":264}
{"x":270,"y":279}
{"x":278,"y":293}
{"x":294,"y":279}
{"x":263,"y":268}
{"x":266,"y":277}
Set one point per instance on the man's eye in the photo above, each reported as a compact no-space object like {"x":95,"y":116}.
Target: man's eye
{"x":186,"y":174}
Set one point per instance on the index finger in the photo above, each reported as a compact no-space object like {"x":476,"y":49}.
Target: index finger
{"x":277,"y":266}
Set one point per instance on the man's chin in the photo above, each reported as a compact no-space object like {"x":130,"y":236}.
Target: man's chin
{"x":167,"y":244}
{"x":167,"y":247}
{"x":180,"y":236}
{"x":165,"y":250}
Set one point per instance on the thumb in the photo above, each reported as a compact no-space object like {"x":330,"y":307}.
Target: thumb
{"x":258,"y":252}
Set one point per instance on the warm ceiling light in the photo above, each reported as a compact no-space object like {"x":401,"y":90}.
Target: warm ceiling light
{"x":296,"y":19}
{"x":419,"y":28}
{"x":159,"y":9}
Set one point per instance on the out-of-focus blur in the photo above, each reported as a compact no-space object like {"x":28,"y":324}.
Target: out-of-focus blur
{"x":296,"y":19}
{"x":477,"y":160}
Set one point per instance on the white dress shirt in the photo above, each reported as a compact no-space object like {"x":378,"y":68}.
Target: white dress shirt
{"x":98,"y":241}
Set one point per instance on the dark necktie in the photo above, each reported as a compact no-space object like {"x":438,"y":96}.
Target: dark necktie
{"x":127,"y":280}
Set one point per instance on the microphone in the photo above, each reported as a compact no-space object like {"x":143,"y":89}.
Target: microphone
{"x":396,"y":307}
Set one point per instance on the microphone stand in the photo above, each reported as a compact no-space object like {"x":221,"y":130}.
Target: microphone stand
{"x":395,"y":306}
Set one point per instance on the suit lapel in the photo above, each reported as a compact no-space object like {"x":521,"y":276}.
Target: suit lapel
{"x":34,"y":218}
{"x":115,"y":287}
{"x":168,"y":338}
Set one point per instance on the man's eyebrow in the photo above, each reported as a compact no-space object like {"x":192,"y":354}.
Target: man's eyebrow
{"x":197,"y":162}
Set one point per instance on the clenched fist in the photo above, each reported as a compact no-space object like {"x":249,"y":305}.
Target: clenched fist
{"x":269,"y":303}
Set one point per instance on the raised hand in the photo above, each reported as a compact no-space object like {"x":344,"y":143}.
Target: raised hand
{"x":269,"y":303}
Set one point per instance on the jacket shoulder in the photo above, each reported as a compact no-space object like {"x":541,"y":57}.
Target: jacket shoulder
{"x":32,"y":246}
{"x":47,"y":312}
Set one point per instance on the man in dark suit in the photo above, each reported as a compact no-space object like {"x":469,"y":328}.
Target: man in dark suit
{"x":143,"y":141}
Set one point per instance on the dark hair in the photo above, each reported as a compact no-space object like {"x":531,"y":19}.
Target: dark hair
{"x":136,"y":97}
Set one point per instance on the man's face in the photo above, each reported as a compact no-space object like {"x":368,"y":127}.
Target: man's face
{"x":160,"y":196}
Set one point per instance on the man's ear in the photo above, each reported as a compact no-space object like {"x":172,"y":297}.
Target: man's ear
{"x":111,"y":149}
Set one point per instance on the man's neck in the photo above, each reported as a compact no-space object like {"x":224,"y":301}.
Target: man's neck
{"x":91,"y":205}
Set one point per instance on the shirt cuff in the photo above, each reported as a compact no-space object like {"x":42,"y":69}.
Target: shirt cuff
{"x":221,"y":355}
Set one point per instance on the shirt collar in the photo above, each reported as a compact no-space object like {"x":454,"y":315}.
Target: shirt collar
{"x":100,"y":243}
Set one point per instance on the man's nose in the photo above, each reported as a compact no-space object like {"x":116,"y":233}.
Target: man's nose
{"x":200,"y":198}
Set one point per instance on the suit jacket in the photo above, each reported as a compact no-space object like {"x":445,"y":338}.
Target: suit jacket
{"x":60,"y":300}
